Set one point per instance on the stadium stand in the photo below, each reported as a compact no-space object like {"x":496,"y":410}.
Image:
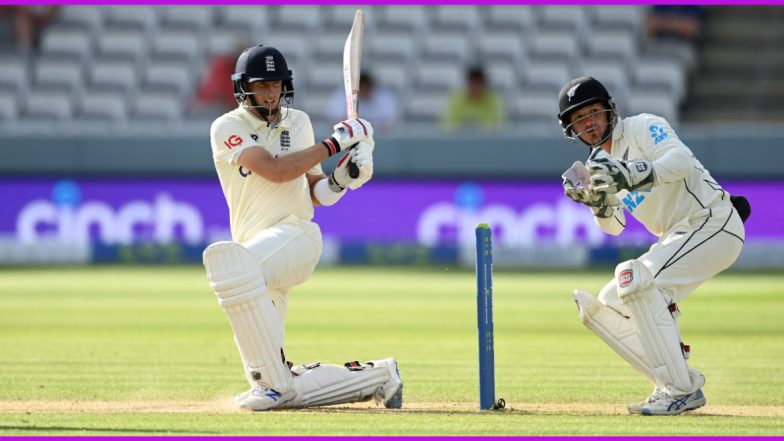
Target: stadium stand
{"x":151,"y":58}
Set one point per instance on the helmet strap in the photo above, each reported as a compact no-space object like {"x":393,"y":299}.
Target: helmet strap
{"x":273,"y":117}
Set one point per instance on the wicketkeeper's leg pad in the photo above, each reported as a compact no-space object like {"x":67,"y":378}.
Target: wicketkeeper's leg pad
{"x":321,"y":385}
{"x":657,"y":329}
{"x":615,"y":330}
{"x":238,"y":282}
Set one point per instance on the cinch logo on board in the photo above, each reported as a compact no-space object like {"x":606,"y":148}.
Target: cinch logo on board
{"x":233,"y":141}
{"x":625,"y":278}
{"x":67,"y":219}
{"x":562,"y":222}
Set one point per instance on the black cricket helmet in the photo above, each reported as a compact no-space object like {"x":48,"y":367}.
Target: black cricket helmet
{"x":261,"y":63}
{"x":581,"y":92}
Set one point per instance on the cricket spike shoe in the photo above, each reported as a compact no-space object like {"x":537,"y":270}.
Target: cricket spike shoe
{"x":698,"y":380}
{"x":636,"y":408}
{"x":391,"y":392}
{"x":262,"y":398}
{"x":668,"y":405}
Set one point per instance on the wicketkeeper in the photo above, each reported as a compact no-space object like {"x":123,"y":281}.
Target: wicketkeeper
{"x":269,"y":168}
{"x":639,"y":165}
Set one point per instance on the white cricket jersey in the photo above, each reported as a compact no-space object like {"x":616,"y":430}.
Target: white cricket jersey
{"x":255,"y":203}
{"x":684,"y":190}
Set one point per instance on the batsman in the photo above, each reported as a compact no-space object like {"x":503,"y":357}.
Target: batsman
{"x":640,"y":166}
{"x":269,"y":169}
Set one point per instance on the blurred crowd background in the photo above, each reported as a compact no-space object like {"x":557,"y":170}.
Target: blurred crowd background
{"x":111,"y":106}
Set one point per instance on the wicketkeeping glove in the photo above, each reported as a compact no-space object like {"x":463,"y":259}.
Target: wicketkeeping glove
{"x":609,"y":175}
{"x":576,"y":181}
{"x":603,"y":204}
{"x":577,"y":186}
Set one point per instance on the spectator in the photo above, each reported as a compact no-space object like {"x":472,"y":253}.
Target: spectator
{"x":376,"y":103}
{"x":215,"y":94}
{"x":477,"y":105}
{"x":675,"y":22}
{"x":25,"y":24}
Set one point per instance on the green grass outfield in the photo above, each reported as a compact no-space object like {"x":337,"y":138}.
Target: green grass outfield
{"x":147,"y":350}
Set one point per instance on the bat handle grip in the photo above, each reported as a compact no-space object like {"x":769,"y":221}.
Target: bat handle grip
{"x":353,"y":170}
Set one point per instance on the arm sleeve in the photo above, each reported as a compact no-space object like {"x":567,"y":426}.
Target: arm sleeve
{"x":614,"y":224}
{"x":229,"y":138}
{"x":671,"y":159}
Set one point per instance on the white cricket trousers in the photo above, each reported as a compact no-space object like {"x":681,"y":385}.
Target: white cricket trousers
{"x":688,"y":256}
{"x":287,"y":253}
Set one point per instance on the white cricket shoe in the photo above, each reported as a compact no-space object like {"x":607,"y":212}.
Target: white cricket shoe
{"x":697,"y":379}
{"x":667,"y":405}
{"x":636,"y":408}
{"x":239,"y":398}
{"x":262,"y":398}
{"x":391,"y":392}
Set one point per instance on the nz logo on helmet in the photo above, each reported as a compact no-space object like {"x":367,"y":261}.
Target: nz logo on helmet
{"x":572,"y":91}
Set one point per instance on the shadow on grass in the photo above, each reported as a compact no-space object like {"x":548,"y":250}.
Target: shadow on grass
{"x":99,"y":429}
{"x":509,"y":411}
{"x":349,"y":410}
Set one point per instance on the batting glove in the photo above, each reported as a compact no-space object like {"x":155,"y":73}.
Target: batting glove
{"x":348,"y":133}
{"x":362,"y":157}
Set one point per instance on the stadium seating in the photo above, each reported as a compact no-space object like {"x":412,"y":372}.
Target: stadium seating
{"x":143,"y":18}
{"x":116,"y":75}
{"x":72,"y":43}
{"x":243,"y":18}
{"x":534,"y":105}
{"x":49,"y":105}
{"x":103,"y":106}
{"x":150,"y":58}
{"x":518,"y":18}
{"x":8,"y":106}
{"x":13,"y":75}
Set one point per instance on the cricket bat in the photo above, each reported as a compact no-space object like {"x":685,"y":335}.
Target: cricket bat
{"x":352,"y":59}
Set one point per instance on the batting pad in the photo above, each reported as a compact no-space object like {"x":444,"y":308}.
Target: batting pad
{"x":615,"y":330}
{"x":657,"y":329}
{"x":329,"y":384}
{"x":238,"y":282}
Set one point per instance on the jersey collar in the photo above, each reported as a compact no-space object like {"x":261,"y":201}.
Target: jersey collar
{"x":261,"y":125}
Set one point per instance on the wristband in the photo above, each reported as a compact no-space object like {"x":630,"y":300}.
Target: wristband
{"x":332,"y":145}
